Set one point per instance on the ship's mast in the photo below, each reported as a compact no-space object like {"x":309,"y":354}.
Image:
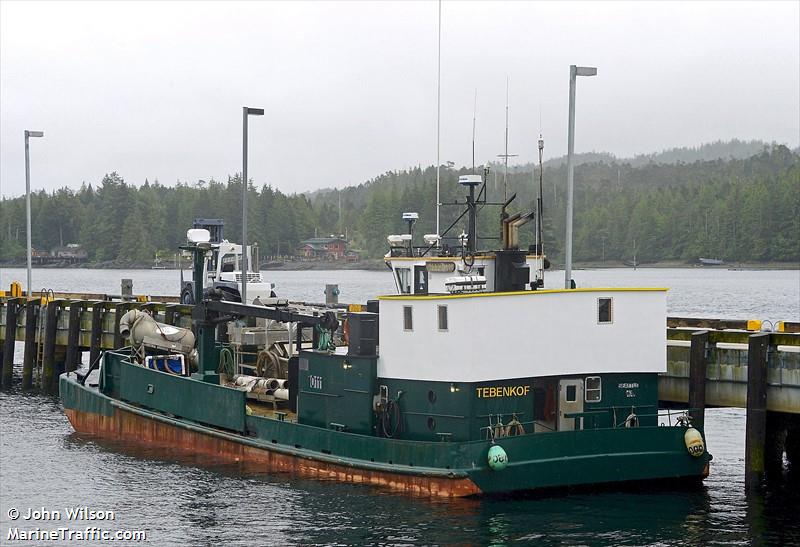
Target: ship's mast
{"x":474,"y":118}
{"x":539,"y":203}
{"x":438,"y":117}
{"x":505,"y":155}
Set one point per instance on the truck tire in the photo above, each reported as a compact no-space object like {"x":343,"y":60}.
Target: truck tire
{"x":187,"y":297}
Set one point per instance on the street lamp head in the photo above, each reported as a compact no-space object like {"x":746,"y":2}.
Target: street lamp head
{"x":34,"y":133}
{"x":254,"y":111}
{"x":585,"y":71}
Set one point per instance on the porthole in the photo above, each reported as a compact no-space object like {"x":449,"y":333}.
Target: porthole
{"x":431,"y":396}
{"x":431,"y":423}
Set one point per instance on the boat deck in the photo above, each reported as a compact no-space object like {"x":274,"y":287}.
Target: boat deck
{"x":271,"y":410}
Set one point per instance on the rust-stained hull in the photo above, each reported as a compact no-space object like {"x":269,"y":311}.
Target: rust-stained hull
{"x":128,"y":426}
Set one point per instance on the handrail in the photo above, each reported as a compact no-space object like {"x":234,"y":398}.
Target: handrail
{"x":666,"y":412}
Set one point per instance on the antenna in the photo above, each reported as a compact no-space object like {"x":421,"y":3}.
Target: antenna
{"x":540,"y":120}
{"x":506,"y":155}
{"x":540,"y":205}
{"x":474,"y":116}
{"x":438,"y":116}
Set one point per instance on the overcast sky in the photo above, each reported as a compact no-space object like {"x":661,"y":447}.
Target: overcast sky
{"x":155,"y":89}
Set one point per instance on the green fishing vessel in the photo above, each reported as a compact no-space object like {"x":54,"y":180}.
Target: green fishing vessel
{"x":473,"y":378}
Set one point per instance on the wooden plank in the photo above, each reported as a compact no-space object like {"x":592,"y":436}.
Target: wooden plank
{"x":791,"y":326}
{"x":736,"y":337}
{"x":703,"y":323}
{"x":108,"y":297}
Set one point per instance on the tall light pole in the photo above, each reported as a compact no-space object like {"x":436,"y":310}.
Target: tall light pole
{"x":574,"y":72}
{"x":245,"y":113}
{"x":29,"y":134}
{"x":438,"y":120}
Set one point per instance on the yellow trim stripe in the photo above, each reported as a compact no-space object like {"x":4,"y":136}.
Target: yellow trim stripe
{"x":443,"y":258}
{"x":519,"y":293}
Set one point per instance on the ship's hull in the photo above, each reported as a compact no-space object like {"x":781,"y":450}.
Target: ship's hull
{"x":457,"y":469}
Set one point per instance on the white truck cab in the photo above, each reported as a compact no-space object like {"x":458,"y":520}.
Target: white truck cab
{"x":223,"y":271}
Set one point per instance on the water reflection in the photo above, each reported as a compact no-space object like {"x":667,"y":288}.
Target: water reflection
{"x":223,"y":500}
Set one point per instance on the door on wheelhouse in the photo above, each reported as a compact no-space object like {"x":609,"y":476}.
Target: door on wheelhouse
{"x":570,"y":401}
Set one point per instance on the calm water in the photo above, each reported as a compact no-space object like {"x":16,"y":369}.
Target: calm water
{"x":195,"y":501}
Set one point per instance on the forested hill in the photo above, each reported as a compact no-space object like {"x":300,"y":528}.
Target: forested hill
{"x":738,"y":209}
{"x":724,"y":150}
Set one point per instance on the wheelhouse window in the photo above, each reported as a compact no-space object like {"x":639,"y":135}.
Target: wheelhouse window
{"x":572,"y":394}
{"x":442,"y":315}
{"x":408,"y":318}
{"x":404,"y":280}
{"x":593,"y":391}
{"x":605,"y":310}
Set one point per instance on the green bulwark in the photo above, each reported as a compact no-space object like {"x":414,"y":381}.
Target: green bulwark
{"x":193,"y":400}
{"x":336,"y":391}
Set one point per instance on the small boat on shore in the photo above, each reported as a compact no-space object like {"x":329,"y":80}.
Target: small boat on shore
{"x":473,"y":378}
{"x":711,"y":261}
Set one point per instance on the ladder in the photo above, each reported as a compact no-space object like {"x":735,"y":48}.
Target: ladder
{"x":46,"y":295}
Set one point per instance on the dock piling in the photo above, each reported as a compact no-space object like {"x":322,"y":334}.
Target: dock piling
{"x":32,"y":307}
{"x":126,"y":289}
{"x":698,"y":363}
{"x":12,"y":308}
{"x":119,"y":311}
{"x":755,"y":430}
{"x":97,"y":331}
{"x":331,"y":294}
{"x":49,"y":373}
{"x":73,"y":337}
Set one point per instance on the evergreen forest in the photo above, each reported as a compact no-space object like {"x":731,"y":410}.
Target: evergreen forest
{"x":737,"y":201}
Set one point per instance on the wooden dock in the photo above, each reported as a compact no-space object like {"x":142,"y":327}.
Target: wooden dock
{"x":734,"y":364}
{"x":57,"y":328}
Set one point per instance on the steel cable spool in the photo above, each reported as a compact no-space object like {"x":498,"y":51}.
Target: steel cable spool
{"x":269,"y":364}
